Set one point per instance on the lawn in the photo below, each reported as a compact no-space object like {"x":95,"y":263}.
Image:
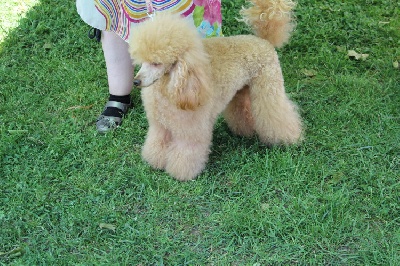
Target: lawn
{"x":70,"y":196}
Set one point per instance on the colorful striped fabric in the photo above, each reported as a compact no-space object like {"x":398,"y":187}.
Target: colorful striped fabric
{"x":137,"y":10}
{"x":119,"y":14}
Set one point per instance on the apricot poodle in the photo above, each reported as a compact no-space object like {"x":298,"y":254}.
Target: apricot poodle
{"x":188,"y":81}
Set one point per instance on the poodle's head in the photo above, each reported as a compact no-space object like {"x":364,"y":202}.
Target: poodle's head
{"x":171,"y":54}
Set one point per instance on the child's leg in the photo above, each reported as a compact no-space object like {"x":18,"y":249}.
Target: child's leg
{"x":118,"y":62}
{"x":120,"y":79}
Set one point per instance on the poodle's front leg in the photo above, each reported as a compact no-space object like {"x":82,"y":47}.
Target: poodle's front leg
{"x":186,"y":158}
{"x":156,"y":145}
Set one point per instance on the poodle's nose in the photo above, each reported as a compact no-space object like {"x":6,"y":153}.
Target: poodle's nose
{"x":137,"y":82}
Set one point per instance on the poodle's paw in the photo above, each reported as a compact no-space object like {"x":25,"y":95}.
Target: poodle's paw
{"x":277,"y":121}
{"x":154,"y":156}
{"x":290,"y":130}
{"x":287,"y":133}
{"x":184,"y":170}
{"x":294,"y":134}
{"x":186,"y":162}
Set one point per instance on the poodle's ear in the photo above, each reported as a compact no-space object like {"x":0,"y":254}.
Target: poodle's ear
{"x":188,"y":85}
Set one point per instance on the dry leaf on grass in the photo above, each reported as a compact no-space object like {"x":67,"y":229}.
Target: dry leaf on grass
{"x":309,"y":73}
{"x":354,"y":55}
{"x":80,"y":107}
{"x":47,"y":46}
{"x":16,"y":252}
{"x":107,"y":226}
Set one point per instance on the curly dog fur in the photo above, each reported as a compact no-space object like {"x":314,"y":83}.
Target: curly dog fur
{"x":188,"y":81}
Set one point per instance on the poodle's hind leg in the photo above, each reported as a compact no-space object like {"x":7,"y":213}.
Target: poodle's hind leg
{"x":276,"y":118}
{"x":156,"y":145}
{"x":186,"y":158}
{"x":238,"y":114}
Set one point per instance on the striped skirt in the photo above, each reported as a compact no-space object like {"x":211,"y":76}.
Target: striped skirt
{"x":121,"y":16}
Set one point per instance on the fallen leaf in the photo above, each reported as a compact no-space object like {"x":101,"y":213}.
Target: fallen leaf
{"x":80,"y":107}
{"x":354,"y":55}
{"x":47,"y":46}
{"x":17,"y":131}
{"x":107,"y":226}
{"x":16,"y":252}
{"x":309,"y":72}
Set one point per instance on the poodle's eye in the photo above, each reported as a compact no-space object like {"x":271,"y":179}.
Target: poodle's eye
{"x":155,"y":64}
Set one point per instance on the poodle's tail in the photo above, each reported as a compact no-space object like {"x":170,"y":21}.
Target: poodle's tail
{"x":272,"y":20}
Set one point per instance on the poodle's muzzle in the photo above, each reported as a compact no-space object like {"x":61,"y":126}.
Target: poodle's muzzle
{"x":148,"y":74}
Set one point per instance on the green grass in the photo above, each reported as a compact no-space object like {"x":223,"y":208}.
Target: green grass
{"x":11,"y":12}
{"x":333,"y":200}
